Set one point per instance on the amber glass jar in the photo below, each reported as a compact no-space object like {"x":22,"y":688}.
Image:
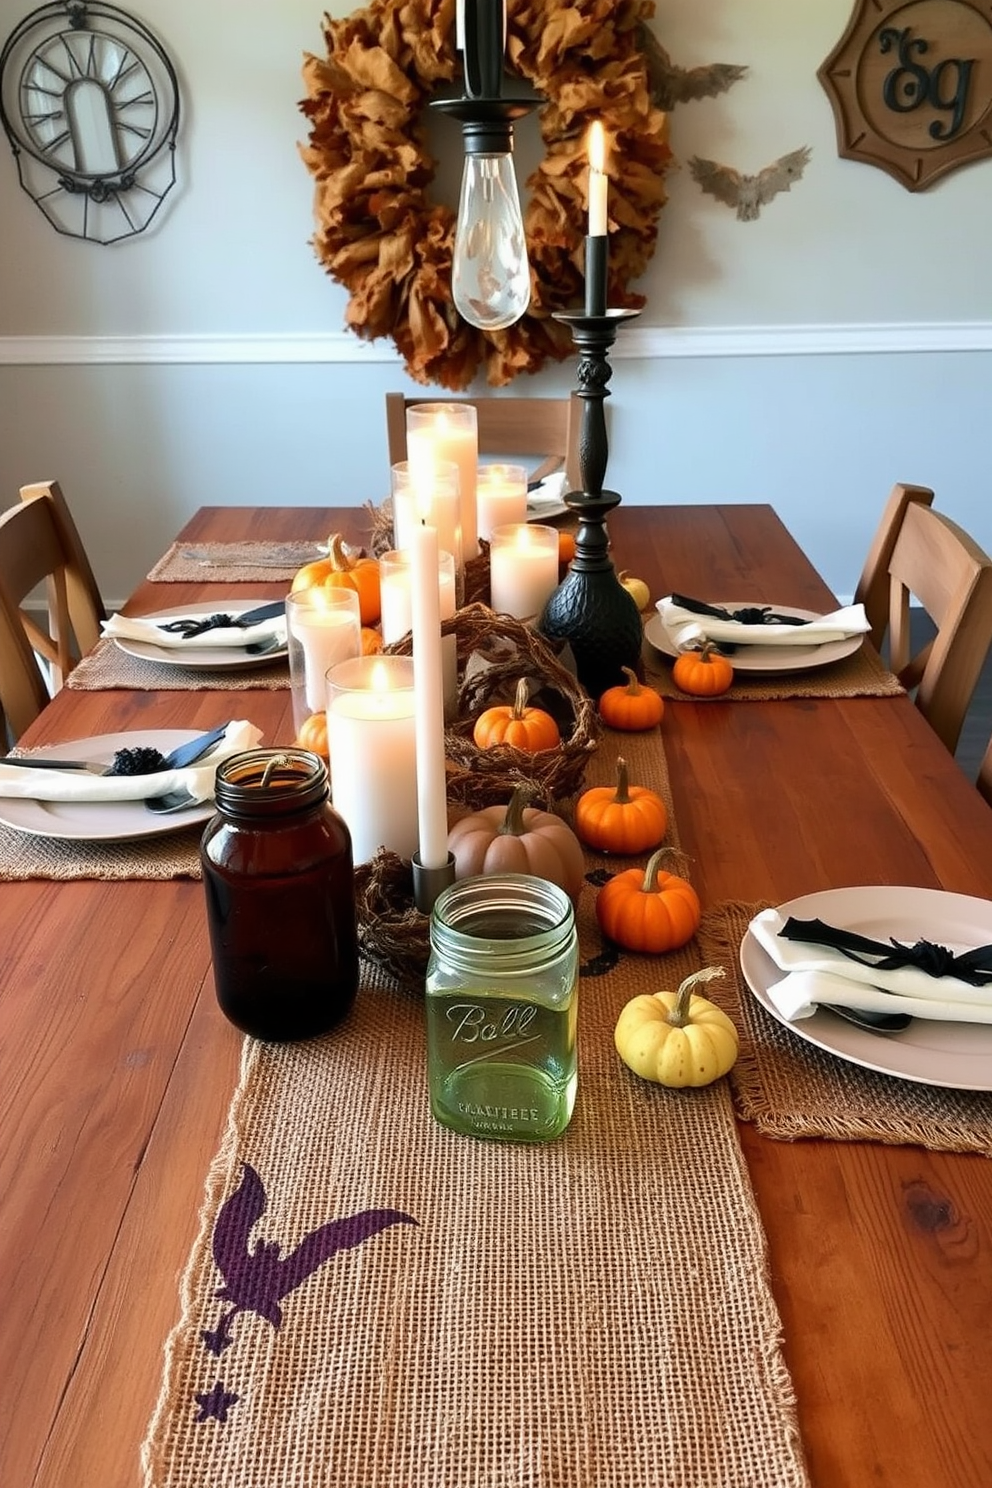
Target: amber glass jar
{"x":277,"y":869}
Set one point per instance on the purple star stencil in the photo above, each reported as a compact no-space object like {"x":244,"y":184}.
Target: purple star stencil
{"x":215,"y":1404}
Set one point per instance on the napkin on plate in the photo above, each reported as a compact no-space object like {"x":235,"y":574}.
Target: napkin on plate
{"x":79,"y":785}
{"x":815,"y":974}
{"x":134,"y":628}
{"x":550,"y":491}
{"x":686,"y":627}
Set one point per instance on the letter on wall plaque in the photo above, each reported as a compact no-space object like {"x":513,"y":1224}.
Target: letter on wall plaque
{"x":910,"y":83}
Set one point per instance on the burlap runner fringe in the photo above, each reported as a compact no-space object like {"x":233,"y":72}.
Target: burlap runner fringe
{"x":234,"y":562}
{"x":791,"y":1089}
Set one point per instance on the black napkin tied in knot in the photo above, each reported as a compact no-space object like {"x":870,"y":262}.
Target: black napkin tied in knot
{"x":973,"y":967}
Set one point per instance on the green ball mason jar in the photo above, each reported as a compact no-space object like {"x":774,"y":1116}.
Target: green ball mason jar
{"x":502,"y":995}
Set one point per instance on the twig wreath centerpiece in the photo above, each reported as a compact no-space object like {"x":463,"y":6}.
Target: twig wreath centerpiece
{"x":380,"y":235}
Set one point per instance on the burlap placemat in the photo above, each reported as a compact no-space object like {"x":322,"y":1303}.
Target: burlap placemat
{"x":234,"y":562}
{"x":859,"y":675}
{"x":25,"y":856}
{"x":375,"y":1300}
{"x":790,"y":1088}
{"x":108,"y":667}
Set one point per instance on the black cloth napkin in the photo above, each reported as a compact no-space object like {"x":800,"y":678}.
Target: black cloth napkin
{"x":748,"y":615}
{"x":973,"y":967}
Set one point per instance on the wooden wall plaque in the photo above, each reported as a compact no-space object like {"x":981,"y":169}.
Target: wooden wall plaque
{"x":910,"y":83}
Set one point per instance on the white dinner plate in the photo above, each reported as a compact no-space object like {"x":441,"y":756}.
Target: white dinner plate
{"x":205,"y":658}
{"x":764,"y":658}
{"x":103,"y":821}
{"x":539,"y":510}
{"x":956,"y":1055}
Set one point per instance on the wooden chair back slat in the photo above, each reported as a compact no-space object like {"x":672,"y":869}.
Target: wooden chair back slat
{"x":873,"y":586}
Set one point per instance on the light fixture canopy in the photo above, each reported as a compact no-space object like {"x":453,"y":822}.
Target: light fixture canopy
{"x":490,"y":275}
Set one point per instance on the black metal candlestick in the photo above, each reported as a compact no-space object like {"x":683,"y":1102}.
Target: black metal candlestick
{"x":590,"y":609}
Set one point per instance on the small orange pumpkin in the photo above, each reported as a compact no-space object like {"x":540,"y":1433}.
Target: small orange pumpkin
{"x":340,"y":569}
{"x":313,"y":734}
{"x":516,"y":724}
{"x":627,"y":819}
{"x":631,"y":707}
{"x":650,"y":911}
{"x":566,"y":549}
{"x":703,"y":673}
{"x":371,"y":641}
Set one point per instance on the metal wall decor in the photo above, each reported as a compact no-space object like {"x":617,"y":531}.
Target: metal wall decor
{"x":89,"y":101}
{"x":910,"y":82}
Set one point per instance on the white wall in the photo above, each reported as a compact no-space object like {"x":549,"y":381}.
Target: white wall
{"x":841,"y":342}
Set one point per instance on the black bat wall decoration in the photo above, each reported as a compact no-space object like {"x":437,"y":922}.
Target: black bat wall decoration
{"x":749,"y":193}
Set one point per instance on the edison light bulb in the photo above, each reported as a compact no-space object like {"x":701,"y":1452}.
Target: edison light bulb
{"x":490,"y":275}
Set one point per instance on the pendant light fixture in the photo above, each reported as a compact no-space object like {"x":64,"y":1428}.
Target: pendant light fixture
{"x":490,"y":275}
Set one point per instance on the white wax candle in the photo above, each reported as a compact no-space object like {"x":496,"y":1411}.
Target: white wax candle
{"x":523,"y":569}
{"x":432,"y":810}
{"x":448,"y":432}
{"x":442,"y":510}
{"x":397,"y":614}
{"x":327,"y":637}
{"x":597,"y":181}
{"x":371,"y":736}
{"x":501,"y":497}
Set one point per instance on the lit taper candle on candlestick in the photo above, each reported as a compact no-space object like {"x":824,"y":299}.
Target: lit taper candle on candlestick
{"x":597,"y":240}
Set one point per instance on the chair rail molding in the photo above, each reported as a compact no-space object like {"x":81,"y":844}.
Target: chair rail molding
{"x":643,"y":343}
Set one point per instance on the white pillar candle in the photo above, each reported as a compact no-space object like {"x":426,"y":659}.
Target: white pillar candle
{"x":448,"y":431}
{"x":523,"y":569}
{"x":372,"y":742}
{"x":323,"y":627}
{"x":432,"y":809}
{"x":397,"y":613}
{"x":433,"y":491}
{"x":500,"y":497}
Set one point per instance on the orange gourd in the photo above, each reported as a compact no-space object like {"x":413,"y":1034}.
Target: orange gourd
{"x":516,"y":724}
{"x":341,"y":569}
{"x":631,"y":707}
{"x":313,"y":734}
{"x":622,"y":819}
{"x":650,"y":911}
{"x":703,"y":673}
{"x":566,"y":549}
{"x":371,"y":641}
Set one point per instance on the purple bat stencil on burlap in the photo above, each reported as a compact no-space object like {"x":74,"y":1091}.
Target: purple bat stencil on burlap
{"x":256,"y":1280}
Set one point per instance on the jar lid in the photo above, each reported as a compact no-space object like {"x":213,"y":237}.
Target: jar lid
{"x":263,"y":782}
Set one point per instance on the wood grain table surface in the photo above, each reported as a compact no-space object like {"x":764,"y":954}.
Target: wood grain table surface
{"x":116,"y":1067}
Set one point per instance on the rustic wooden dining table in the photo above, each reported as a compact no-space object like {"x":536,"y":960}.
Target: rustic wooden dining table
{"x":117,"y":1066}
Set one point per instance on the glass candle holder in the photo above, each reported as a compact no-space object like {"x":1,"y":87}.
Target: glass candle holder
{"x":371,"y":738}
{"x":523,"y":568}
{"x":323,"y":627}
{"x":500,"y":497}
{"x":428,"y":495}
{"x":448,"y":431}
{"x":396,"y":588}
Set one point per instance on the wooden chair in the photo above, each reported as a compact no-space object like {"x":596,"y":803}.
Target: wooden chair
{"x":984,"y":781}
{"x":547,"y":428}
{"x":35,"y":549}
{"x":85,"y":600}
{"x":873,"y":585}
{"x":936,"y":563}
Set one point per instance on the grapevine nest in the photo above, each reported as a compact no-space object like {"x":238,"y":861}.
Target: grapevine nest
{"x":494,"y":652}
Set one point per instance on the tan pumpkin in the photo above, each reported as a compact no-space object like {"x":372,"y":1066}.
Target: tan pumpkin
{"x":631,"y":707}
{"x":516,"y":724}
{"x":625,"y":819}
{"x":677,"y":1038}
{"x":650,"y":911}
{"x":518,"y":839}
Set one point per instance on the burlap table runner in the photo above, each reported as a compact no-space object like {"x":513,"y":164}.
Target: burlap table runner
{"x":859,"y":675}
{"x":592,"y":1311}
{"x":234,"y":562}
{"x":790,"y":1088}
{"x":107,"y":667}
{"x":25,"y":856}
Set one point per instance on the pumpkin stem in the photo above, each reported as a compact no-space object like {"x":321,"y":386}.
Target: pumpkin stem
{"x":651,"y":871}
{"x":512,"y":824}
{"x":679,"y":1016}
{"x":520,"y":701}
{"x":335,"y":548}
{"x":622,"y":797}
{"x":633,"y":685}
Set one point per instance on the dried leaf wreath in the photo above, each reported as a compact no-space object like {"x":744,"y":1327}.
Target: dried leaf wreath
{"x":380,"y":236}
